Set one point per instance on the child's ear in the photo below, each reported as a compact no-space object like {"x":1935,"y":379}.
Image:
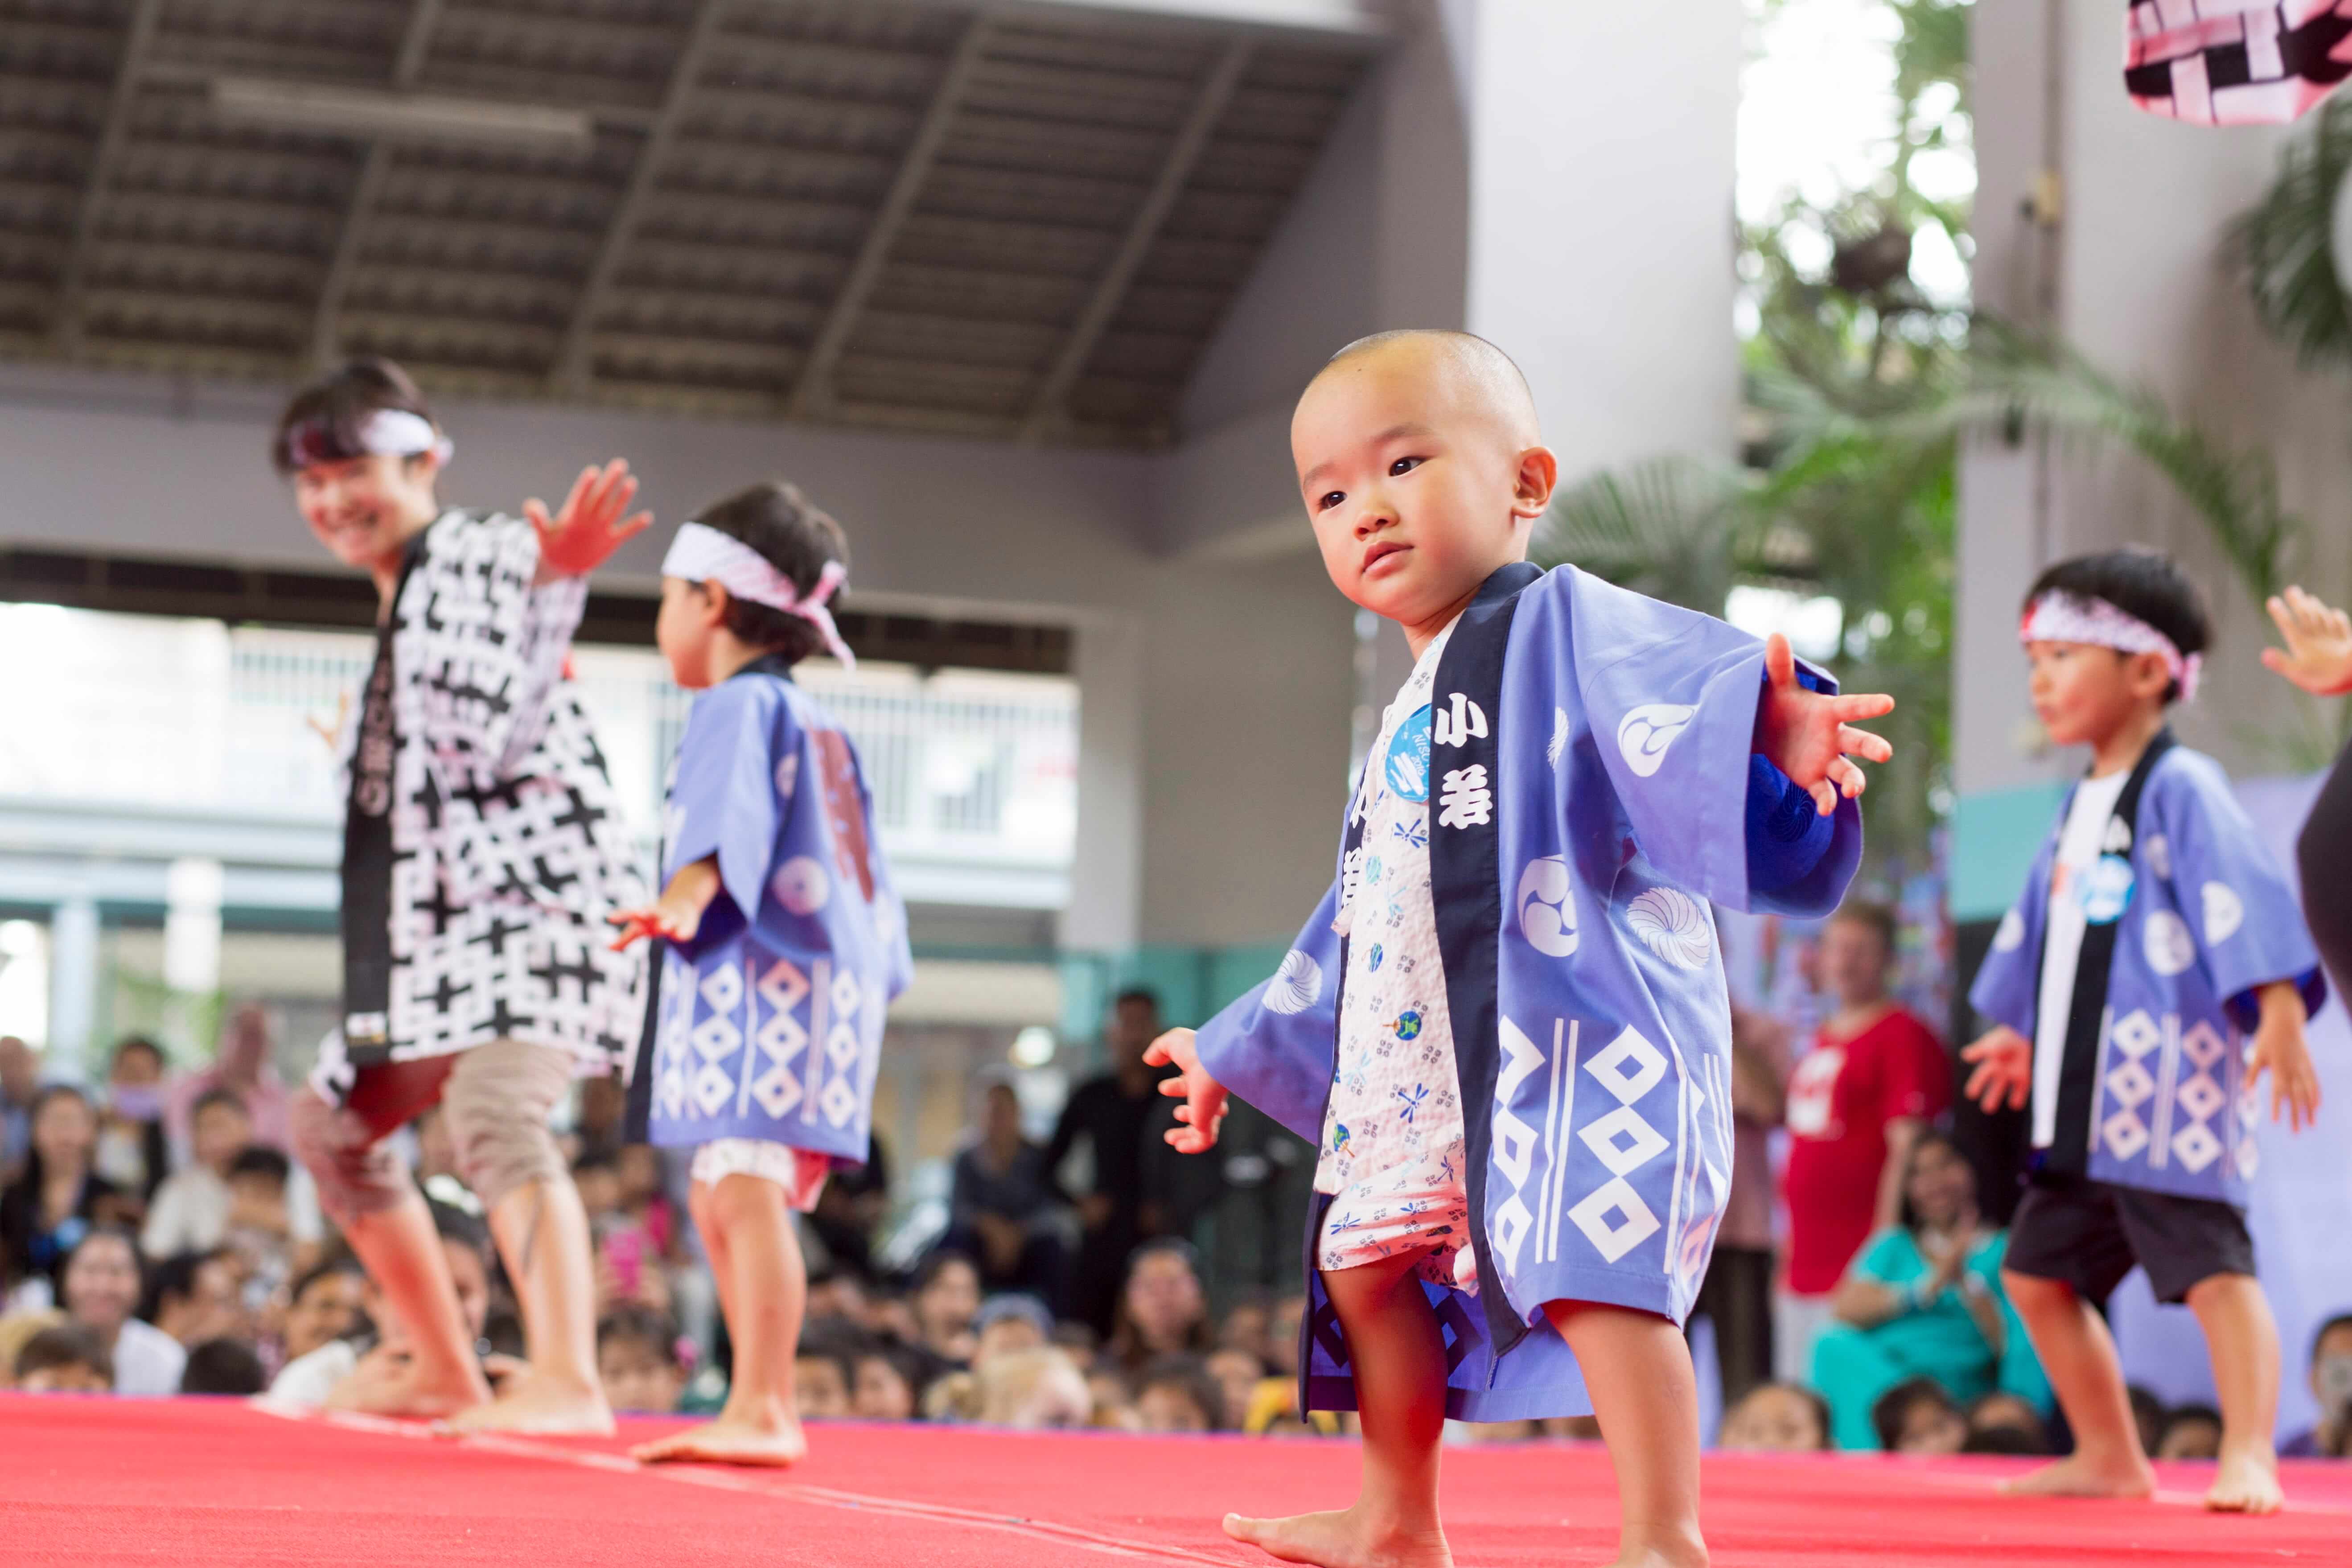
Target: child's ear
{"x":1532,"y":486}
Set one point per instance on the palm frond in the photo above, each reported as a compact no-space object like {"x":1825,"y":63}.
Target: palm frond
{"x":2281,"y":248}
{"x":1676,"y":528}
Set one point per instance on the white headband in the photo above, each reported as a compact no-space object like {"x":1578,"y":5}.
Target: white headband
{"x":703,"y":554}
{"x":2061,"y":617}
{"x":387,"y":433}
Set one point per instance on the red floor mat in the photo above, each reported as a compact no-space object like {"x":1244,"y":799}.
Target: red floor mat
{"x":104,"y":1481}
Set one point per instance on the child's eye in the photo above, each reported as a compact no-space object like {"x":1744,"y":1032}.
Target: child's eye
{"x":1329,"y":498}
{"x":1404,"y":466}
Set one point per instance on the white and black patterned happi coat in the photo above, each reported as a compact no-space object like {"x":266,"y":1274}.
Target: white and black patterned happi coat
{"x":507,"y":853}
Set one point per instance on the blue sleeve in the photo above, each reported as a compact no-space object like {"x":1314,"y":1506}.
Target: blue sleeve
{"x":724,"y":800}
{"x":2231,"y":889}
{"x":1787,"y":836}
{"x":1276,"y":1048}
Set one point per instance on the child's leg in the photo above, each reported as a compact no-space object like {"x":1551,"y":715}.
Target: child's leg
{"x":1637,"y":1367}
{"x":2243,"y":1339}
{"x":2079,"y":1356}
{"x":1398,"y":1354}
{"x":763,"y":1288}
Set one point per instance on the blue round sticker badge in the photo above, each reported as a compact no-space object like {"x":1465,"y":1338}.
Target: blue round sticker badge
{"x":2106,"y":891}
{"x":1407,"y":767}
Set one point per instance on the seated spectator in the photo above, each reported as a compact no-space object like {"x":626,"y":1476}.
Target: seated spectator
{"x":273,"y":1216}
{"x":1273,"y":1412}
{"x":133,"y":1151}
{"x":223,"y":1366}
{"x":1176,"y":1393}
{"x":59,"y":1195}
{"x":2191,"y":1432}
{"x":600,"y":1124}
{"x":199,"y":1296}
{"x":1113,"y":1400}
{"x":341,"y":1373}
{"x":1010,"y":1324}
{"x":946,"y":1303}
{"x":190,"y":1213}
{"x":1924,"y":1299}
{"x":1284,"y":1326}
{"x":835,"y":1296}
{"x":2331,"y":1384}
{"x":102,"y":1285}
{"x":1004,"y":1209}
{"x":1777,"y":1418}
{"x":1916,"y":1416}
{"x":18,"y":1328}
{"x":20,"y":1080}
{"x":324,"y":1305}
{"x":1248,"y":1323}
{"x":64,"y":1359}
{"x":824,"y":1371}
{"x":631,"y":1227}
{"x":637,"y":1358}
{"x":891,"y":1383}
{"x":1079,"y":1340}
{"x":1163,"y":1311}
{"x":1026,"y":1390}
{"x":1238,"y":1372}
{"x":2002,"y":1422}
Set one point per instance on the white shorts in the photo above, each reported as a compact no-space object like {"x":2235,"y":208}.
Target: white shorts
{"x":800,"y":1172}
{"x":1405,"y":1208}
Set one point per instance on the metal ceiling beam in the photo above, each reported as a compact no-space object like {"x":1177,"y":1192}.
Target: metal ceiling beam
{"x":812,"y":389}
{"x":144,"y":15}
{"x":1208,"y":107}
{"x":573,"y":361}
{"x":416,"y":43}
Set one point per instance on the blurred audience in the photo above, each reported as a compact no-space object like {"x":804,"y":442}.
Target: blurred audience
{"x":1111,"y":1113}
{"x":58,"y":1196}
{"x":324,"y":1305}
{"x":223,"y":1366}
{"x":1177,"y":1393}
{"x":64,"y":1359}
{"x":100,"y":1285}
{"x":947,"y":1306}
{"x":1736,"y":1297}
{"x":1003,"y":1208}
{"x":2191,"y":1432}
{"x":1777,"y":1418}
{"x":637,"y":1357}
{"x":243,"y":1066}
{"x":1873,"y":1080}
{"x":1162,"y":1309}
{"x":196,"y":1297}
{"x":2331,"y":1385}
{"x":191,"y":1209}
{"x":20,"y":1079}
{"x":1925,"y":1301}
{"x":134,"y":1152}
{"x":1916,"y":1416}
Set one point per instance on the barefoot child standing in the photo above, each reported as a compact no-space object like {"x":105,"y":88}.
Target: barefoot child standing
{"x":1507,"y":1024}
{"x":2154,"y":935}
{"x":784,"y":942}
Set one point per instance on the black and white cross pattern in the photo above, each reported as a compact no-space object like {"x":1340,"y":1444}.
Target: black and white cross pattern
{"x":508,"y":852}
{"x":2235,"y":62}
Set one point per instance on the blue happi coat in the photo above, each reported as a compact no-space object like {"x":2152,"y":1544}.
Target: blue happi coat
{"x":2191,"y":915}
{"x":769,"y":1023}
{"x":1592,"y":790}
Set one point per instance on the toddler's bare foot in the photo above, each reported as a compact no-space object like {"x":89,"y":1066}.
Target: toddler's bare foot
{"x":535,"y":1405}
{"x":2247,"y":1483}
{"x":729,"y":1441}
{"x":1345,"y":1539}
{"x":1689,"y":1552}
{"x":2084,"y":1475}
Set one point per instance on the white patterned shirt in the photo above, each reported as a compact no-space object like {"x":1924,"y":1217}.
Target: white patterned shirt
{"x":1396,"y":1104}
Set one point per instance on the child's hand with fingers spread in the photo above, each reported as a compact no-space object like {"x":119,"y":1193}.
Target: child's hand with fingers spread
{"x":2318,"y":652}
{"x":2281,"y":1048}
{"x":592,"y":525}
{"x":2003,"y":1060}
{"x":1204,"y":1111}
{"x":1810,"y":736}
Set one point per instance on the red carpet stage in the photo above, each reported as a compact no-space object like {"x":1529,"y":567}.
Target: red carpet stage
{"x":92,"y":1482}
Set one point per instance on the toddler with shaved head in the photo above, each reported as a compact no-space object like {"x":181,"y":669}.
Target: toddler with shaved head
{"x":1506,"y":1026}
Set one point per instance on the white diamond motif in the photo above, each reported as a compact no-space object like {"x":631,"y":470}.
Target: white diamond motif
{"x":1635,"y":1223}
{"x":2203,"y":1045}
{"x":2196,"y":1147}
{"x":2124,"y":1133}
{"x":1640,"y":1141}
{"x":2201,"y":1096}
{"x":2131,"y":1084}
{"x":2136,"y":1034}
{"x":1629,"y":1068}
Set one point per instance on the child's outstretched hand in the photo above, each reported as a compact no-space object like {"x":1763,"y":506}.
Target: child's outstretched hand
{"x":1204,"y":1111}
{"x":671,"y":919}
{"x":1810,"y":736}
{"x":2281,"y":1048}
{"x":2004,"y":1069}
{"x":592,"y":525}
{"x":2318,"y":652}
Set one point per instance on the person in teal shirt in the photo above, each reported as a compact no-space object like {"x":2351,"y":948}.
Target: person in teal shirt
{"x":1925,"y":1300}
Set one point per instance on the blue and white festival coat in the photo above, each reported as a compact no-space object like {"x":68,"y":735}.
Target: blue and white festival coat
{"x":1592,"y":789}
{"x":2186,"y":916}
{"x":768,"y":1024}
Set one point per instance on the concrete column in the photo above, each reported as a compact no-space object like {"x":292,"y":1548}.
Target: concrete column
{"x":73,"y":985}
{"x":1106,"y":876}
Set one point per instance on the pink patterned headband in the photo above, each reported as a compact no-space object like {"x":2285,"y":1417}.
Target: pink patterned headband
{"x":2061,"y":617}
{"x":702,"y":554}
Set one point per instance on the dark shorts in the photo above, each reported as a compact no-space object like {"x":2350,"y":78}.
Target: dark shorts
{"x":2088,"y":1235}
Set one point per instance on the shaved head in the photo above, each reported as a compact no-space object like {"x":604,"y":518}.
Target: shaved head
{"x":1479,"y":375}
